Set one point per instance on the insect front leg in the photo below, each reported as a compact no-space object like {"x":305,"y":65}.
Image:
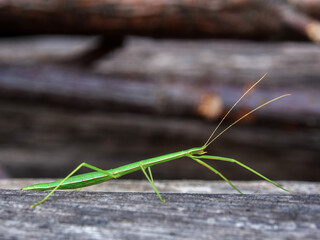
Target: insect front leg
{"x":215,"y":171}
{"x":217,"y":158}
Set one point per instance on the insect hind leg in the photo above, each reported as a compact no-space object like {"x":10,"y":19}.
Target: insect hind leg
{"x":67,"y":177}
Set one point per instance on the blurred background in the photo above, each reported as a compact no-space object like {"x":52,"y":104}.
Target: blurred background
{"x":113,"y":82}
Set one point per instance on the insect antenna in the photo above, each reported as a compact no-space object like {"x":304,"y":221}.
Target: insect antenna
{"x":262,"y":105}
{"x":208,"y":142}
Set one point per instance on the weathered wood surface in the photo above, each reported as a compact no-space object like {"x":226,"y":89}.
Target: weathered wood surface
{"x":106,"y":215}
{"x":252,"y":19}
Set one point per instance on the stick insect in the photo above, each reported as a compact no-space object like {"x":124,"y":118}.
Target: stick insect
{"x":198,"y":154}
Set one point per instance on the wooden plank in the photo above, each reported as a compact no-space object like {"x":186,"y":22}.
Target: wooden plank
{"x":101,"y":215}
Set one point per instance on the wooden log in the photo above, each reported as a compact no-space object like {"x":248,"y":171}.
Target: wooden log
{"x":251,"y":19}
{"x":101,"y":215}
{"x":199,"y":62}
{"x":196,"y":62}
{"x":78,"y":89}
{"x":200,"y":86}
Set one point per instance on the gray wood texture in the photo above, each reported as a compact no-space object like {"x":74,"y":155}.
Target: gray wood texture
{"x":137,"y":215}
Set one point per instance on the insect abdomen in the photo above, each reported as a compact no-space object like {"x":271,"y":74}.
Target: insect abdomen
{"x":78,"y":181}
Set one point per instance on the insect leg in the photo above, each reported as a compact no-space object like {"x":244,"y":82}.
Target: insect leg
{"x":67,"y":177}
{"x":150,"y":174}
{"x":150,"y":179}
{"x":216,"y":172}
{"x":244,"y":166}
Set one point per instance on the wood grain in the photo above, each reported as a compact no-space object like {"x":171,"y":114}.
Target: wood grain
{"x":97,"y":215}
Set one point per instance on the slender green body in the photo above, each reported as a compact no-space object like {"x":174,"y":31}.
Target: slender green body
{"x":92,"y":178}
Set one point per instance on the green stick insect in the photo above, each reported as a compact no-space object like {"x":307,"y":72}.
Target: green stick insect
{"x":197,"y":154}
